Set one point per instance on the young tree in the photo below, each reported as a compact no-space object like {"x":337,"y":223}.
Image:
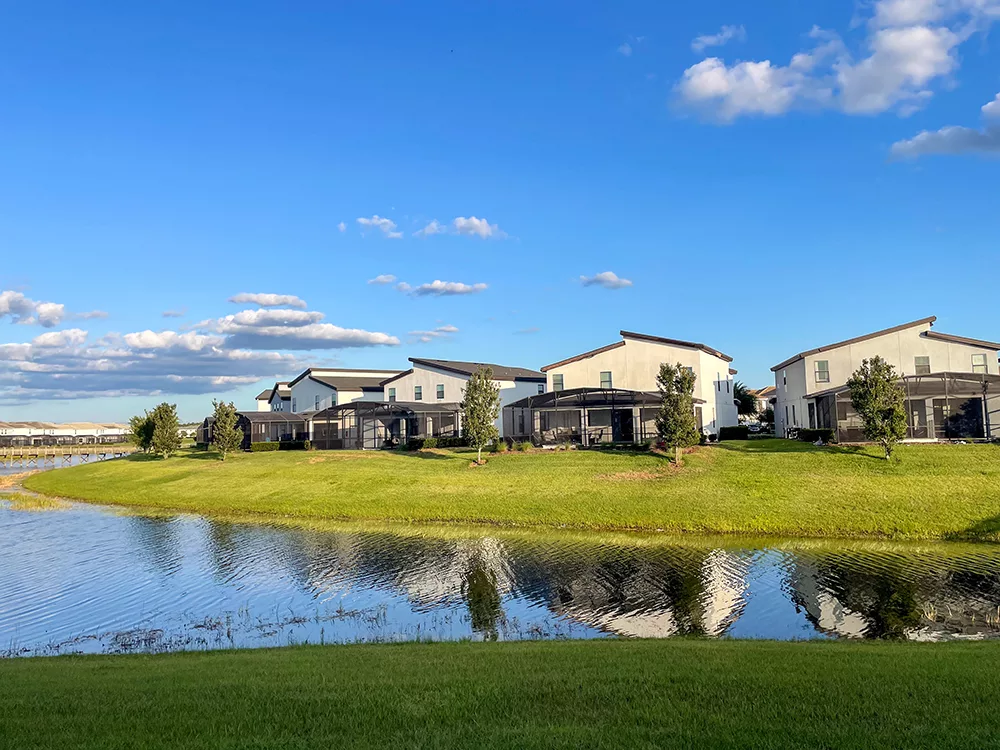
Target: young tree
{"x":878,"y":398}
{"x":675,"y":421}
{"x":166,"y":435}
{"x":141,"y":431}
{"x":746,"y":402}
{"x":767,"y":416}
{"x":480,"y":409}
{"x":226,"y":436}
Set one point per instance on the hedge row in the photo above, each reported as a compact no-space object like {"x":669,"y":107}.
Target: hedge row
{"x":811,"y":436}
{"x":416,"y":444}
{"x":737,"y":432}
{"x":283,"y":445}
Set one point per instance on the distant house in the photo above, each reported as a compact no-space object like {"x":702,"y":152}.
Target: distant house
{"x":320,"y":388}
{"x":67,"y":433}
{"x":952,"y":383}
{"x":264,"y":399}
{"x":633,"y":364}
{"x":280,"y":398}
{"x":443,"y":381}
{"x":763,"y":397}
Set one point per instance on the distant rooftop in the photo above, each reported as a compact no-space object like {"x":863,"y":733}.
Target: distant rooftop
{"x":500,"y":372}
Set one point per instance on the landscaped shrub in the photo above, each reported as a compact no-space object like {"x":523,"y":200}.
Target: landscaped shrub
{"x":811,"y":436}
{"x":264,"y":447}
{"x":414,"y":444}
{"x":738,"y":432}
{"x":452,"y":442}
{"x":524,"y":446}
{"x":430,"y":442}
{"x":293,"y":445}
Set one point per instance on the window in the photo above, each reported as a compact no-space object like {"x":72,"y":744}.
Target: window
{"x":922,"y":365}
{"x":795,"y":420}
{"x":418,"y":393}
{"x":316,"y":404}
{"x":822,"y":371}
{"x":541,"y":388}
{"x":979,"y":363}
{"x":440,"y":391}
{"x":718,"y":381}
{"x":784,"y":377}
{"x":293,"y":404}
{"x":392,"y":394}
{"x":786,"y":416}
{"x":727,"y":385}
{"x":557,"y":383}
{"x":606,"y":380}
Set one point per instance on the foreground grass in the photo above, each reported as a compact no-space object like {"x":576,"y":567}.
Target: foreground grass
{"x":516,"y":695}
{"x":772,"y":487}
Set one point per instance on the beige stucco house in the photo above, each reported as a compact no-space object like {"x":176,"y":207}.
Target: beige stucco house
{"x":952,"y":383}
{"x":319,"y":388}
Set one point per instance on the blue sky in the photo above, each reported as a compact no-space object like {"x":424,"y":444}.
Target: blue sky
{"x":767,"y":179}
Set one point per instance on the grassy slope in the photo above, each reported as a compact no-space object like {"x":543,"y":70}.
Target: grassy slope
{"x":518,"y":695}
{"x":768,"y":487}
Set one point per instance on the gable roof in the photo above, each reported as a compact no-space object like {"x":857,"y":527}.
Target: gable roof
{"x":282,"y":390}
{"x":578,"y":357}
{"x":308,"y":372}
{"x":265,"y":394}
{"x":349,"y":384}
{"x":856,"y":340}
{"x":500,"y":372}
{"x":963,"y":340}
{"x":767,"y":390}
{"x":394,"y":378}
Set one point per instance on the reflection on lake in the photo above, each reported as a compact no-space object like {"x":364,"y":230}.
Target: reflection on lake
{"x":85,"y":579}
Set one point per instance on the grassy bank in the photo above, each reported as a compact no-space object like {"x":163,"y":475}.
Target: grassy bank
{"x":756,"y":487}
{"x":518,"y":695}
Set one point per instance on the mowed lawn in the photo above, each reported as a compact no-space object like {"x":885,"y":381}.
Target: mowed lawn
{"x":628,"y":694}
{"x":757,"y":487}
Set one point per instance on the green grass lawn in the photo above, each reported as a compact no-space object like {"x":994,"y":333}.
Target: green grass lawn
{"x":635,"y":694}
{"x":773,"y":487}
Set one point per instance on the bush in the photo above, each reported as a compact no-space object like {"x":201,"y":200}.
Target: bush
{"x":264,"y":447}
{"x":811,"y":436}
{"x":738,"y":432}
{"x":452,"y":442}
{"x":524,"y":447}
{"x":430,"y":442}
{"x":414,"y":444}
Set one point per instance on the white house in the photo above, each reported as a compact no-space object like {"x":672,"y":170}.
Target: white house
{"x":318,"y":388}
{"x":952,"y":383}
{"x":439,"y":380}
{"x":634,"y":362}
{"x":264,"y":399}
{"x":280,"y":398}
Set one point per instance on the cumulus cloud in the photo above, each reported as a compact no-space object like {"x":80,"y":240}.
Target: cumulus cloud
{"x":909,"y":46}
{"x":69,"y":337}
{"x":955,"y":139}
{"x":625,"y":49}
{"x":384,"y":225}
{"x":434,"y":227}
{"x":473,"y":226}
{"x":190,"y":341}
{"x":342,"y":227}
{"x":606,"y":279}
{"x":26,"y":311}
{"x":440,"y":332}
{"x":267,"y":300}
{"x":382,"y":278}
{"x":92,"y":315}
{"x":726,"y":34}
{"x":438,"y":288}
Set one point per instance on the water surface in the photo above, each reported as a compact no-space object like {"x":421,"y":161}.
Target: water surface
{"x":90,"y":579}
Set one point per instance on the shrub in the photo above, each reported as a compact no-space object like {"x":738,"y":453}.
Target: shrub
{"x":414,"y":444}
{"x":525,"y":446}
{"x":430,"y":442}
{"x":264,"y":447}
{"x":811,"y":436}
{"x":502,"y":446}
{"x":738,"y":432}
{"x":452,"y":442}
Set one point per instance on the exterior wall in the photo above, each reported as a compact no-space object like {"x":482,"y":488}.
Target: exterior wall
{"x":263,"y":404}
{"x":635,"y":366}
{"x":429,"y":378}
{"x":899,"y":349}
{"x":277,"y":403}
{"x":304,"y":392}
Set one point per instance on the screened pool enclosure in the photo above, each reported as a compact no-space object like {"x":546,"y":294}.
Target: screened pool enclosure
{"x":370,"y":425}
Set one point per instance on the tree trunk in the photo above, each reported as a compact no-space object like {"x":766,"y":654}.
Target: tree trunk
{"x":677,"y":455}
{"x":479,"y":456}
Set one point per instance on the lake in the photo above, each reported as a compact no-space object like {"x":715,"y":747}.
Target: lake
{"x":87,"y":579}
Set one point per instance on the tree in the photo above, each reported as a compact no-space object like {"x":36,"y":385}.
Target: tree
{"x":675,"y":421}
{"x":141,"y":431}
{"x":480,"y":409}
{"x":746,"y":402}
{"x":166,"y":429}
{"x":767,"y":416}
{"x":878,"y":398}
{"x":226,"y":436}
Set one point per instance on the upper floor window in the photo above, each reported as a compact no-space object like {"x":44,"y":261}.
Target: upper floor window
{"x":979,"y":363}
{"x":541,"y":388}
{"x":293,"y":404}
{"x":784,"y":377}
{"x":822,"y":371}
{"x":392,"y":394}
{"x":557,"y":383}
{"x":718,"y":381}
{"x":922,"y":365}
{"x":606,"y":380}
{"x":418,"y":393}
{"x":316,"y":404}
{"x":440,"y":391}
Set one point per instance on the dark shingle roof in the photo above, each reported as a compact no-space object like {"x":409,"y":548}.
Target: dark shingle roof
{"x":265,"y":394}
{"x":350,"y":384}
{"x":500,"y":372}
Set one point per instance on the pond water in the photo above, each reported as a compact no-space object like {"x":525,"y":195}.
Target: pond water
{"x":89,"y":579}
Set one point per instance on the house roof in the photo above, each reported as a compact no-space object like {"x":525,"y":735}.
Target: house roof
{"x":640,"y":337}
{"x":590,"y":397}
{"x":363,"y":373}
{"x":349,"y":384}
{"x":763,"y":392}
{"x":856,"y":340}
{"x":578,"y":357}
{"x":265,"y":394}
{"x":271,"y":416}
{"x":500,"y":372}
{"x":282,"y":390}
{"x":397,"y":377}
{"x":963,"y":340}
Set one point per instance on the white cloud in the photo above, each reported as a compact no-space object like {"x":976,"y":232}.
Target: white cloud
{"x":425,"y":337}
{"x":726,"y":34}
{"x":268,"y":300}
{"x":342,"y":227}
{"x":625,"y":49}
{"x":473,"y":226}
{"x":955,"y":139}
{"x":175,"y":313}
{"x":386,"y":226}
{"x":435,"y":227}
{"x":382,"y":278}
{"x":171,"y":340}
{"x":606,"y":279}
{"x":271,"y":318}
{"x":312,"y":336}
{"x":92,"y":315}
{"x":69,"y":337}
{"x":26,"y":311}
{"x":439,"y":288}
{"x":910,"y":46}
